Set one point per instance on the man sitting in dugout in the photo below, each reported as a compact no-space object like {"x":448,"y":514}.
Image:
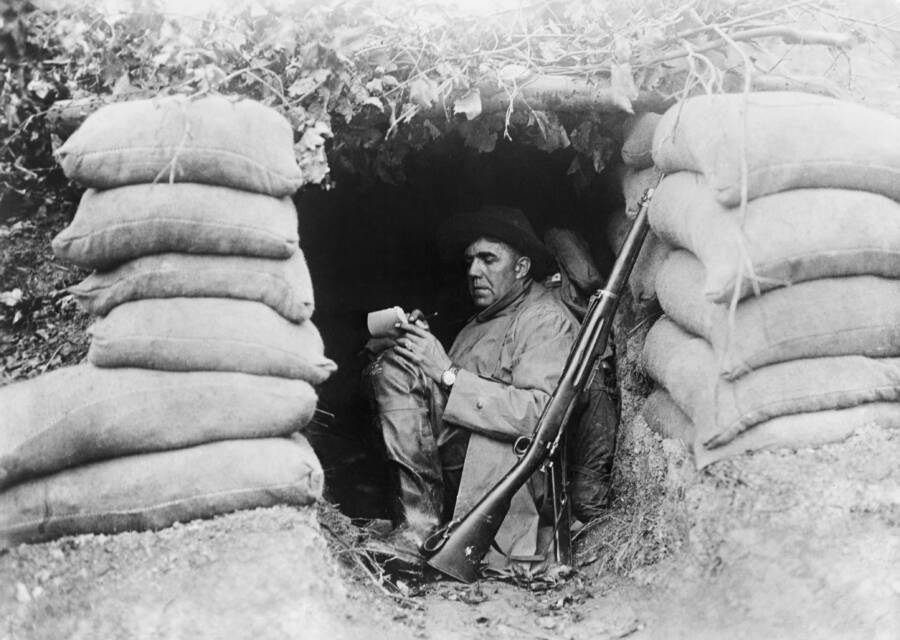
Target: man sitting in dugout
{"x":449,"y":419}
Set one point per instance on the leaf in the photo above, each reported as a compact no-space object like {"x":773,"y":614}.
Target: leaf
{"x":621,"y":49}
{"x":423,"y":91}
{"x":431,"y":130}
{"x":11,"y":298}
{"x":599,"y":160}
{"x":314,"y":136}
{"x":477,"y":134}
{"x":309,"y":83}
{"x":40,"y":88}
{"x":622,"y":87}
{"x":622,"y":80}
{"x":512,"y":73}
{"x":469,"y":105}
{"x":123,"y":85}
{"x":553,"y":135}
{"x":582,"y":137}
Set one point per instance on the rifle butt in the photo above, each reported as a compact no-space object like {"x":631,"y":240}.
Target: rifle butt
{"x":461,"y":547}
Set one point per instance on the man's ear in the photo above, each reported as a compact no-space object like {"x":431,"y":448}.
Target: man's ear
{"x":523,"y":267}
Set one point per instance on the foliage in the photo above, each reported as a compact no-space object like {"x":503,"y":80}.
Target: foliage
{"x":368,"y":80}
{"x":41,"y":326}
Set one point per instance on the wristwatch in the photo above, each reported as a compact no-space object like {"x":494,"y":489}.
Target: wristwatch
{"x":448,"y":378}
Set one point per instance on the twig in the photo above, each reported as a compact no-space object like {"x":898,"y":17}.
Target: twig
{"x":50,"y":359}
{"x":21,"y":127}
{"x":746,"y":262}
{"x":788,"y":34}
{"x":841,"y":16}
{"x":753,"y":16}
{"x":378,"y":581}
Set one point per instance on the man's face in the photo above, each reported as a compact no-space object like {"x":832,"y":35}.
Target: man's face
{"x":493,"y":269}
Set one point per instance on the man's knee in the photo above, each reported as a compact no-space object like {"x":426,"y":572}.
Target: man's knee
{"x":395,"y":382}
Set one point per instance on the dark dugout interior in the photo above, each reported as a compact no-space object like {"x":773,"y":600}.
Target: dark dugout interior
{"x":371,"y":244}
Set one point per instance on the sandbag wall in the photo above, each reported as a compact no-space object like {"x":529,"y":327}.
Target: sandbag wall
{"x":782,"y":298}
{"x":203,"y":357}
{"x":637,"y":173}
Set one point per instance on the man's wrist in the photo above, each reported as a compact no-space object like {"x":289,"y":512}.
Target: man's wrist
{"x":448,"y":377}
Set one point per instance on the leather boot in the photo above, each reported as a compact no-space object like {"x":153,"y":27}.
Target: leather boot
{"x":417,"y":479}
{"x":403,"y":416}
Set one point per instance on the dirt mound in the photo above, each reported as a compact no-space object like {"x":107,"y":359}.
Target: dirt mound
{"x":776,"y":544}
{"x":256,"y":574}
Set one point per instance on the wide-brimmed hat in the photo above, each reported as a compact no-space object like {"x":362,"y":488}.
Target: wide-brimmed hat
{"x":506,"y":224}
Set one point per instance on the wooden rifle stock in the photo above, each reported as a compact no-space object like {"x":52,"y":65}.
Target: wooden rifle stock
{"x":458,"y":548}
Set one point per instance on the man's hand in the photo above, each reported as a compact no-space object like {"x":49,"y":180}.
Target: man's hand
{"x":421,"y":348}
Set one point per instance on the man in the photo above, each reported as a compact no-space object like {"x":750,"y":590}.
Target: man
{"x":449,"y":419}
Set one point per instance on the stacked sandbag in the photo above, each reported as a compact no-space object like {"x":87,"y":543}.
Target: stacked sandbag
{"x":763,"y":191}
{"x":636,"y":175}
{"x":204,"y":356}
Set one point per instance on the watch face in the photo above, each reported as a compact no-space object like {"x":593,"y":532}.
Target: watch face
{"x":448,"y":378}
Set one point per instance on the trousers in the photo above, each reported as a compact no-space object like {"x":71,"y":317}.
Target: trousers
{"x":425,"y":455}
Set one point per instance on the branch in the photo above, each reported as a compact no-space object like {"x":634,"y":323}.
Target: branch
{"x":788,"y":34}
{"x":754,"y":16}
{"x":798,"y":36}
{"x":566,"y":93}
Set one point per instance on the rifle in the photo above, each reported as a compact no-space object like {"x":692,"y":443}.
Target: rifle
{"x":458,"y":548}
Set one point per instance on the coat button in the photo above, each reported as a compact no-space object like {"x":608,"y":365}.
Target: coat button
{"x":479,"y":404}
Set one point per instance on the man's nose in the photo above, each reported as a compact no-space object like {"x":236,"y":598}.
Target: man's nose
{"x":474,"y":269}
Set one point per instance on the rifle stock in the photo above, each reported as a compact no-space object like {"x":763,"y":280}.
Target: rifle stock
{"x":458,"y":548}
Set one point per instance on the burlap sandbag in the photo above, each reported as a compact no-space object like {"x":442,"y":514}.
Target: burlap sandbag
{"x":685,"y":365}
{"x":78,"y":414}
{"x":214,"y":140}
{"x":642,"y":281}
{"x":857,"y":315}
{"x":155,"y":490}
{"x":634,"y":184}
{"x":573,"y":254}
{"x":208,"y":334}
{"x":117,"y":225}
{"x":637,"y":146}
{"x":788,"y":237}
{"x":790,"y":141}
{"x":795,"y":431}
{"x":283,"y":285}
{"x":665,"y":418}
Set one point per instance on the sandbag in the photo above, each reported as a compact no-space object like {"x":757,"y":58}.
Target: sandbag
{"x":155,"y":490}
{"x":213,"y":140}
{"x":208,"y":334}
{"x":574,"y":256}
{"x":283,"y":285}
{"x":637,"y":146}
{"x":634,"y":184}
{"x":642,"y":281}
{"x":116,"y":225}
{"x":794,"y":431}
{"x":788,"y":237}
{"x":83,"y":413}
{"x":857,"y":315}
{"x":803,"y":430}
{"x":720,"y":410}
{"x":790,"y":141}
{"x":665,"y":418}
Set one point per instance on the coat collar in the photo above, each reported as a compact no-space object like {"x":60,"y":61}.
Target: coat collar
{"x":509,"y":301}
